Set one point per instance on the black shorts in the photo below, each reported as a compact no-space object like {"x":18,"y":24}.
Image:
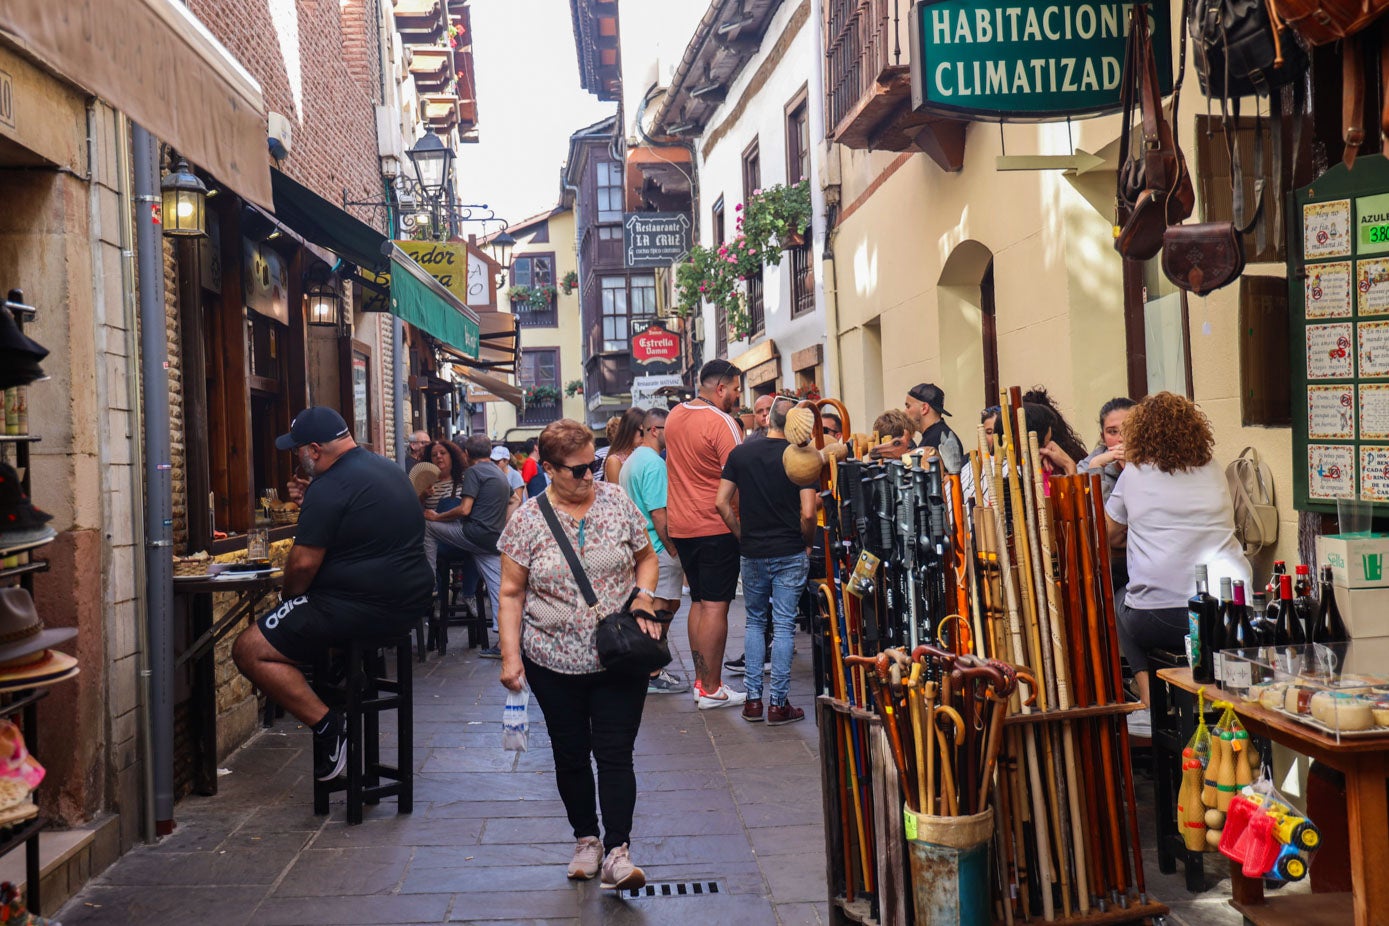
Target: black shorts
{"x":300,"y":629}
{"x":711,"y":566}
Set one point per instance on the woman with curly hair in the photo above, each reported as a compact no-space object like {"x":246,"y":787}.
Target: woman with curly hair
{"x":449,"y":458}
{"x":1062,"y":434}
{"x":1172,"y":507}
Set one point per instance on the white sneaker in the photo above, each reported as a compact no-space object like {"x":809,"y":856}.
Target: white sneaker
{"x":1141,"y":724}
{"x":619,"y":873}
{"x":588,"y":856}
{"x":724,"y":697}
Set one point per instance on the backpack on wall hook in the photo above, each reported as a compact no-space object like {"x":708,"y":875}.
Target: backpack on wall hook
{"x":1256,"y":512}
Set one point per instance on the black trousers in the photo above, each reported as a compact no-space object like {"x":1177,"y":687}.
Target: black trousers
{"x":592,"y":717}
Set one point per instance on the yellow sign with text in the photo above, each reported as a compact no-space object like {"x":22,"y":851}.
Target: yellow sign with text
{"x":446,"y":261}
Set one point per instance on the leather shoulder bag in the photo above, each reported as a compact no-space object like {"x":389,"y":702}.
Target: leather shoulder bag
{"x":623,"y":646}
{"x":1322,"y":22}
{"x":1154,"y":189}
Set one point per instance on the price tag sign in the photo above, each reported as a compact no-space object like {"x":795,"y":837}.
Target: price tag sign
{"x":1372,"y":224}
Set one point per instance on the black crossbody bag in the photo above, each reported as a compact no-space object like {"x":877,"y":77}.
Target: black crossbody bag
{"x":623,"y":646}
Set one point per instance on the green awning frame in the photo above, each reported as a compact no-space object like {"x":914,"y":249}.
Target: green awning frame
{"x":421,"y":300}
{"x":327,"y":225}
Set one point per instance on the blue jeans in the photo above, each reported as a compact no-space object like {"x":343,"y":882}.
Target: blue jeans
{"x":772,"y":586}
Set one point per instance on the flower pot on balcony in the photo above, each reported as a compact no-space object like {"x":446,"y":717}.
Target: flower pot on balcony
{"x":792,"y":240}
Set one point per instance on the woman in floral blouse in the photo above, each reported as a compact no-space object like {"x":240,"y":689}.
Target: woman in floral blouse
{"x":548,"y":638}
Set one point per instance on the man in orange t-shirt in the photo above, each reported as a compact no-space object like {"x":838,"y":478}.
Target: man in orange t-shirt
{"x":699,"y":436}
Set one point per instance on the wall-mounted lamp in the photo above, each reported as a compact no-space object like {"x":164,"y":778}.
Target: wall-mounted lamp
{"x":322,"y":301}
{"x":185,"y":203}
{"x":433,"y":160}
{"x":501,"y":245}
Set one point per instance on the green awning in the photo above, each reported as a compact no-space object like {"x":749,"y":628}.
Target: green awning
{"x":327,"y":225}
{"x":421,"y":300}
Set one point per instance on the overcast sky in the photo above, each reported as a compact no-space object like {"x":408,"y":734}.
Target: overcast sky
{"x":529,"y":101}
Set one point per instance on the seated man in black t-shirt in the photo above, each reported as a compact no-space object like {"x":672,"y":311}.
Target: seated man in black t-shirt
{"x":357,"y":570}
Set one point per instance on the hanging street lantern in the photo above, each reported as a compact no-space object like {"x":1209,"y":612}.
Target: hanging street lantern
{"x":501,"y":245}
{"x":433,"y":161}
{"x":322,"y":304}
{"x":185,"y":203}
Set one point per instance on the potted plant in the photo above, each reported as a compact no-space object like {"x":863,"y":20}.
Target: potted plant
{"x":570,"y":282}
{"x":778,"y":213}
{"x":519,"y":295}
{"x":543,"y":296}
{"x":541,"y":395}
{"x":574,"y":387}
{"x":808,"y":391}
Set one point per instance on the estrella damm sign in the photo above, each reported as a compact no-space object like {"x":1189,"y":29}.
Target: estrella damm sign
{"x":1027,"y":60}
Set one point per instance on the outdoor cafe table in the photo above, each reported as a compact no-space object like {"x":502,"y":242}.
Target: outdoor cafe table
{"x":1365,"y":763}
{"x":196,"y":593}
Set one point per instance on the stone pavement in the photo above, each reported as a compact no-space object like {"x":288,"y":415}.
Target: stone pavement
{"x":720,"y":800}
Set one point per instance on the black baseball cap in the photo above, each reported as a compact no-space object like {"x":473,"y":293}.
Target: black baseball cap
{"x":316,"y":424}
{"x":931,"y":394}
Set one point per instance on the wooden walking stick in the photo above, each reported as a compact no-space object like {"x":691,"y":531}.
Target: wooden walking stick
{"x":1094,"y":619}
{"x":1069,"y":561}
{"x":841,"y":694}
{"x":923,"y":779}
{"x":1056,"y":632}
{"x":1041,"y":639}
{"x":1107,"y":599}
{"x":1010,"y":596}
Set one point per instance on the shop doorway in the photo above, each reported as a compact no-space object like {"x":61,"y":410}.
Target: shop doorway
{"x":967,"y":323}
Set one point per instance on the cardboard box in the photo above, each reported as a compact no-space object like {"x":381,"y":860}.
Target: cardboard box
{"x":1365,"y":611}
{"x":1356,"y":562}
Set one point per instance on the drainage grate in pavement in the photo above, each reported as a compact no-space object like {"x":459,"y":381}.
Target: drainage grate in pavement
{"x":676,"y":889}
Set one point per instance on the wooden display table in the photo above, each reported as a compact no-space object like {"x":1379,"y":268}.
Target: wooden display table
{"x":1365,"y":763}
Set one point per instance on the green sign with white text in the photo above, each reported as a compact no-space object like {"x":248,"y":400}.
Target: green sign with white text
{"x":1027,"y":61}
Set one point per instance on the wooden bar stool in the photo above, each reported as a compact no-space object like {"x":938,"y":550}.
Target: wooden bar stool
{"x":365,"y":693}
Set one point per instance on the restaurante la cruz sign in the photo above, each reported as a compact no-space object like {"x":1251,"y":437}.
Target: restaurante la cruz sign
{"x":1027,"y":61}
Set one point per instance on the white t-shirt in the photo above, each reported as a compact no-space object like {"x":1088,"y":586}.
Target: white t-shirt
{"x":1176,"y":521}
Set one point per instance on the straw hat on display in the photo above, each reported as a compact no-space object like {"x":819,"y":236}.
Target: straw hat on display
{"x":25,"y":658}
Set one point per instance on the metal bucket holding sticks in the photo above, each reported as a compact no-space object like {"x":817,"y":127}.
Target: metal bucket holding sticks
{"x":949,"y":858}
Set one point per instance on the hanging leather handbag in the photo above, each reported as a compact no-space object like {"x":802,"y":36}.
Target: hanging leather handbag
{"x":1154,"y":190}
{"x":1322,"y":22}
{"x":623,"y":646}
{"x":1202,"y":257}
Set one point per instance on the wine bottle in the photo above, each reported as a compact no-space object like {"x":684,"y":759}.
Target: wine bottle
{"x":1302,"y":584}
{"x":1220,"y":633}
{"x":1203,"y":612}
{"x":1329,"y":628}
{"x":1260,"y":621}
{"x":1289,"y":629}
{"x":1244,"y":628}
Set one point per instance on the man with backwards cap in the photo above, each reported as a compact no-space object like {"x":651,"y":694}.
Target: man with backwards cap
{"x":926,"y":408}
{"x":357,"y":570}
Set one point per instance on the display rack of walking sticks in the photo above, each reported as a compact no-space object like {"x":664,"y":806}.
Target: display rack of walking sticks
{"x":967,"y":663}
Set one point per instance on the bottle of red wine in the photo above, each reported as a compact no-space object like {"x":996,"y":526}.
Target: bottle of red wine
{"x":1329,"y":628}
{"x":1203,"y":615}
{"x":1244,"y":633}
{"x":1261,"y":622}
{"x":1289,"y":628}
{"x":1302,"y":584}
{"x":1220,"y":638}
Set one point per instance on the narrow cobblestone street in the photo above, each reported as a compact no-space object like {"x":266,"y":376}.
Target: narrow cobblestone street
{"x":720,"y":800}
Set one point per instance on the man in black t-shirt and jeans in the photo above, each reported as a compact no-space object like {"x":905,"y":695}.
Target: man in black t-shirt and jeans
{"x":774,"y":521}
{"x":356,"y":571}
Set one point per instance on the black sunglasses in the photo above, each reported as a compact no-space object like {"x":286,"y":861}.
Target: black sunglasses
{"x":578,"y":470}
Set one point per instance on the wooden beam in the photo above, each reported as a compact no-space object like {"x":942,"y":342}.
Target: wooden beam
{"x":197,"y":518}
{"x":943,"y":141}
{"x":235,"y":393}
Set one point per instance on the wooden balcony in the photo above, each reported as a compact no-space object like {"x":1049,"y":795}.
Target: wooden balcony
{"x":868,"y":94}
{"x":419,"y":22}
{"x":430,"y":66}
{"x":440,"y":111}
